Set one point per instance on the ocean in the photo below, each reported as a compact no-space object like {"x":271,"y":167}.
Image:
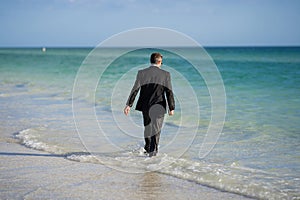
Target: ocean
{"x":60,"y":102}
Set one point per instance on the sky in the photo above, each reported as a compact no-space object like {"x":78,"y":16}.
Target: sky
{"x":71,"y":23}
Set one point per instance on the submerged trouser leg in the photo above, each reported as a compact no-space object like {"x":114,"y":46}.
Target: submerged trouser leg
{"x":153,"y":124}
{"x":147,"y":131}
{"x":154,"y":141}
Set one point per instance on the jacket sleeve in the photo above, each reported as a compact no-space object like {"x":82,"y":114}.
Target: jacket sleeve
{"x":169,"y":93}
{"x":134,"y":91}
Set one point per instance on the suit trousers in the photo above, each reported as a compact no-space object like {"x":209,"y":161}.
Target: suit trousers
{"x":153,"y":122}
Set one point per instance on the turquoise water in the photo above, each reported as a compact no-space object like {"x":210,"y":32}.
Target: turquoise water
{"x":257,"y":154}
{"x":263,"y":90}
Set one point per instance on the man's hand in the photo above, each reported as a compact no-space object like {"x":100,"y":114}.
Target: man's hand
{"x":126,"y":110}
{"x":171,"y":112}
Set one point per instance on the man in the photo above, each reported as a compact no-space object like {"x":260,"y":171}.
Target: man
{"x":154,"y":84}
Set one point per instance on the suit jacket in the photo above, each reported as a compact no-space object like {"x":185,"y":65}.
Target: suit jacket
{"x":154,"y":84}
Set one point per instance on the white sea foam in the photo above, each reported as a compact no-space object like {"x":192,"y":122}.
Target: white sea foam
{"x":244,"y":181}
{"x":231,"y":178}
{"x":248,"y":182}
{"x":29,"y":138}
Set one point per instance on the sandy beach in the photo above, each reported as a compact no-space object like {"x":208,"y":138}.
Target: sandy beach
{"x":30,"y":174}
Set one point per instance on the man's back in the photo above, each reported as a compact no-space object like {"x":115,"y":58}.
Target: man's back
{"x":154,"y":84}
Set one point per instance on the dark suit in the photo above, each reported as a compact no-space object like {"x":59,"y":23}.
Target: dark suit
{"x":154,"y":84}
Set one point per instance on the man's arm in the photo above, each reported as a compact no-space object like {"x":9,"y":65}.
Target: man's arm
{"x":133,"y":93}
{"x":170,"y":95}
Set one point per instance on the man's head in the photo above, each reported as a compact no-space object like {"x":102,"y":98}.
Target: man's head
{"x":156,"y":58}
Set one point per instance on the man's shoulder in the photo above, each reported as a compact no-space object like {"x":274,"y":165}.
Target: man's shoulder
{"x":144,"y":70}
{"x":165,"y":71}
{"x":153,"y":71}
{"x":153,"y":68}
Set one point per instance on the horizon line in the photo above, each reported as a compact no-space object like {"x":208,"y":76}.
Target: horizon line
{"x":204,"y":46}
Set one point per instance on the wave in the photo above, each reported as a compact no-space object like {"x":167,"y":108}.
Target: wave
{"x":229,"y":178}
{"x":239,"y":180}
{"x":29,"y":138}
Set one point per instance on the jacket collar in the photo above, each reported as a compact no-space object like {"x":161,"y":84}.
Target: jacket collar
{"x":154,"y":65}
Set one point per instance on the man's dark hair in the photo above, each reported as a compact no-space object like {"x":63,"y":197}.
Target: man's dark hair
{"x":155,"y":57}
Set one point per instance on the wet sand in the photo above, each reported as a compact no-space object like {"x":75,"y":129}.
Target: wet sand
{"x":30,"y":174}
